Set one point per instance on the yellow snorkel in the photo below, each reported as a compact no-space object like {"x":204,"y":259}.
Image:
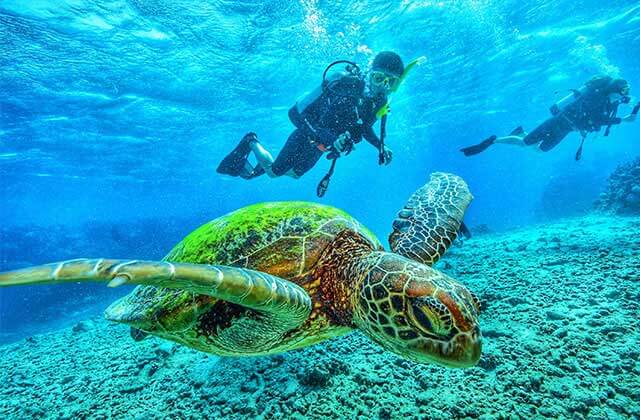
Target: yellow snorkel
{"x":385,"y":108}
{"x":418,"y":61}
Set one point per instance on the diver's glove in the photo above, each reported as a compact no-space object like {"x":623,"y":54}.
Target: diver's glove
{"x":387,"y":155}
{"x":343,"y":143}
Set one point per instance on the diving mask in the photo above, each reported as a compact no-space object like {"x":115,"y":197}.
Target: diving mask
{"x":624,"y":94}
{"x":625,"y":90}
{"x":382,"y":79}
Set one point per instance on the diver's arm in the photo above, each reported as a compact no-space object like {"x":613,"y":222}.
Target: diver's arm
{"x":634,"y":114}
{"x":371,"y":137}
{"x":616,"y":120}
{"x":374,"y":140}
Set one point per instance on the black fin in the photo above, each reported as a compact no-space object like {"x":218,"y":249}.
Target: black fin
{"x":256,"y":172}
{"x":478,"y":148}
{"x":234,"y":163}
{"x":138,"y":335}
{"x":517,"y":131}
{"x":464,"y":230}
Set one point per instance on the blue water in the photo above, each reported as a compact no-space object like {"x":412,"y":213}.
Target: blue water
{"x":115,"y":114}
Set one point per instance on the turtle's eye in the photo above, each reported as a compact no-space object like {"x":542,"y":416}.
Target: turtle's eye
{"x":430,"y":315}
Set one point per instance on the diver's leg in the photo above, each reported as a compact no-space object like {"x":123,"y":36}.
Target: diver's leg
{"x":548,"y":134}
{"x":264,"y":158}
{"x":513,"y":140}
{"x":519,"y":141}
{"x":282,"y":165}
{"x":288,"y":158}
{"x":307,"y":158}
{"x":516,"y":137}
{"x":554,"y":138}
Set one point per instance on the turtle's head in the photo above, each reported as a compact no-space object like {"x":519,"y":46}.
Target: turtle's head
{"x":419,"y":313}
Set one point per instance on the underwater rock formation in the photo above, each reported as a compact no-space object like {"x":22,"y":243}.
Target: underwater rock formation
{"x":559,"y":305}
{"x":622,"y":195}
{"x":569,"y":194}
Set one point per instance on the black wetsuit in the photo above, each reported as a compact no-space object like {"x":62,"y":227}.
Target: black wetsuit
{"x":587,"y":114}
{"x":322,"y":116}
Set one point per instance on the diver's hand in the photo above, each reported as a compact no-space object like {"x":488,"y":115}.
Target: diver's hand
{"x":634,"y":113}
{"x":343,"y":143}
{"x":387,"y":155}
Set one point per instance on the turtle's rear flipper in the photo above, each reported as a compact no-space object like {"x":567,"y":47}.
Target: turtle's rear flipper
{"x":138,"y":335}
{"x":431,"y":219}
{"x":464,"y":230}
{"x":284,"y":303}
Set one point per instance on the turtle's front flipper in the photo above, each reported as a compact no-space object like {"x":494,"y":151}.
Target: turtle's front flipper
{"x":288,"y":303}
{"x":431,"y":219}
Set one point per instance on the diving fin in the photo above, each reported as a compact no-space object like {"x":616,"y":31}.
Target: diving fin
{"x":517,"y":131}
{"x":253,"y":172}
{"x":478,"y":148}
{"x":235,"y":163}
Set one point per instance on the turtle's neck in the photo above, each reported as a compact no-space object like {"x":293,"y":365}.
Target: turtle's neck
{"x":341,"y":270}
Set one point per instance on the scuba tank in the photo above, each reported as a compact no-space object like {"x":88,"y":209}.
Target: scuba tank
{"x":599,"y":85}
{"x":567,"y":101}
{"x":350,"y":82}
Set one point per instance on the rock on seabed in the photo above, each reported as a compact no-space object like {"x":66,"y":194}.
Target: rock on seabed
{"x":561,"y":310}
{"x":622,"y":194}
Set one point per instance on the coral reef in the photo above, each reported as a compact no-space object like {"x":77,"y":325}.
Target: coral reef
{"x":559,"y":318}
{"x":622,"y":194}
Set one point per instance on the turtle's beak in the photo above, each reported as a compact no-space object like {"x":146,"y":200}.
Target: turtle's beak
{"x":464,"y":350}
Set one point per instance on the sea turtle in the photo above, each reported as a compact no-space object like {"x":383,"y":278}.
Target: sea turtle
{"x":278,"y":276}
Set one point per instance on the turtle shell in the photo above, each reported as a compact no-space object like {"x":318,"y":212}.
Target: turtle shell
{"x":284,"y":239}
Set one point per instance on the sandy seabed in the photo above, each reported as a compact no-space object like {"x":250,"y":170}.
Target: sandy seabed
{"x":561,"y":327}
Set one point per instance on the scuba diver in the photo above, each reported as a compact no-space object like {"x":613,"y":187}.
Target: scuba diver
{"x":585,"y":110}
{"x":331,"y":119}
